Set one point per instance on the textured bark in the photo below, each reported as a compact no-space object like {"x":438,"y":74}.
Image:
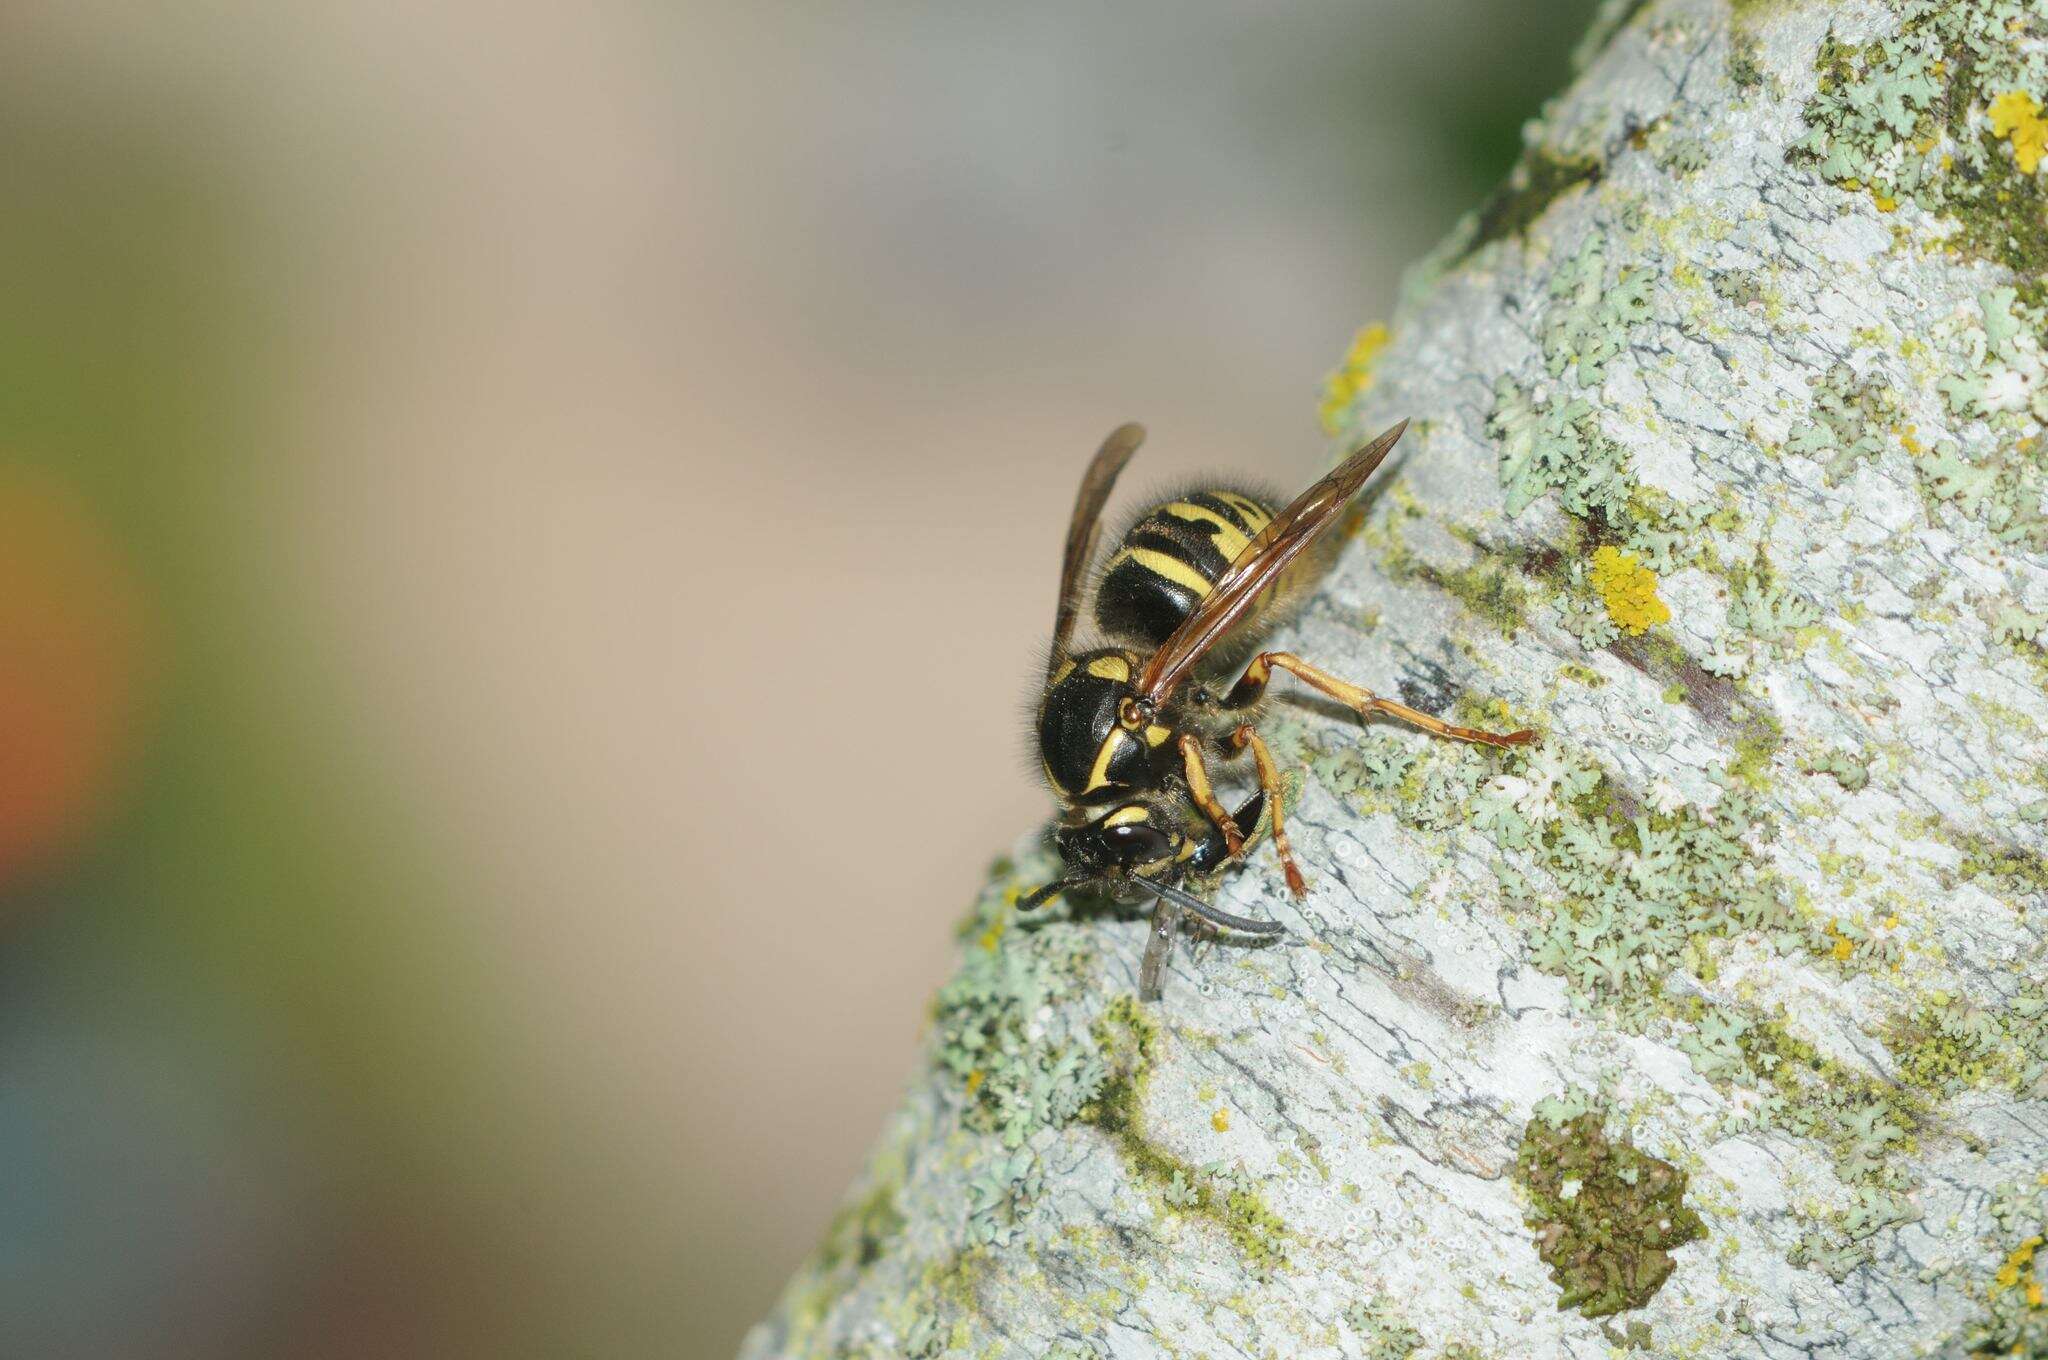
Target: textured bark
{"x":1712,"y":1026}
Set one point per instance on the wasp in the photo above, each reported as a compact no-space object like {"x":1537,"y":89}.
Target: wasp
{"x":1128,"y":725}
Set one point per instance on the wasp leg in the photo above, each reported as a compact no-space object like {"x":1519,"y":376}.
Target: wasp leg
{"x":1269,"y":780}
{"x":1205,"y":797}
{"x":1253,"y":683}
{"x":1213,"y":850}
{"x":1158,"y":949}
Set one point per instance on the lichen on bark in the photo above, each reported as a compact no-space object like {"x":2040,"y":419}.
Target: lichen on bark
{"x":1727,"y":475}
{"x":1607,"y":1215}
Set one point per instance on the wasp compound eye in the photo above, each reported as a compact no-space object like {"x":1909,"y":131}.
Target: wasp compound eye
{"x":1136,"y":843}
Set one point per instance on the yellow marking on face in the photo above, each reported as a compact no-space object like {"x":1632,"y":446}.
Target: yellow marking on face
{"x":1155,"y":735}
{"x":1098,"y":777}
{"x":1134,"y":813}
{"x":1228,"y":538}
{"x":1066,"y":669}
{"x":1172,"y":568}
{"x":1186,"y":851}
{"x":1110,"y":668}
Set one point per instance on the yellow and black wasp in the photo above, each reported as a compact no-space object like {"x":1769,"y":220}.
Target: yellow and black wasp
{"x":1127,"y":726}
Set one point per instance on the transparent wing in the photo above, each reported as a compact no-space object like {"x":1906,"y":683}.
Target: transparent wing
{"x":1258,"y":566}
{"x":1082,"y":529}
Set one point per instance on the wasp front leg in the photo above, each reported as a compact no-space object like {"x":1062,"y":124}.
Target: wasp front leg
{"x":1205,"y":795}
{"x":1269,"y":782}
{"x":1252,"y":684}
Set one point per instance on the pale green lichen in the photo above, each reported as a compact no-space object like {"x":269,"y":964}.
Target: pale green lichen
{"x":1016,"y":1072}
{"x":1847,"y":770}
{"x":1861,"y":1120}
{"x":1552,"y":440}
{"x":1997,"y":478}
{"x":1632,"y":891}
{"x":1680,"y":154}
{"x":1622,"y":889}
{"x":1946,"y":1045}
{"x":1591,"y":313}
{"x":998,"y":1196}
{"x":1908,"y":117}
{"x":1762,"y":606}
{"x":2011,"y":872}
{"x":1606,"y":1214}
{"x":1383,"y":1331}
{"x":2017,"y":624}
{"x":1849,"y":421}
{"x":1555,"y":443}
{"x":1999,"y":368}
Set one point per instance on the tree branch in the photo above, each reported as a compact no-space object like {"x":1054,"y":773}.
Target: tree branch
{"x":1715,"y":1024}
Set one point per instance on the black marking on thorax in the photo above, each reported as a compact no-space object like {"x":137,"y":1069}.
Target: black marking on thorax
{"x":1088,"y":755}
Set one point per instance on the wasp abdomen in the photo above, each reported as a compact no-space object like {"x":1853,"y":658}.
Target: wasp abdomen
{"x":1170,"y":558}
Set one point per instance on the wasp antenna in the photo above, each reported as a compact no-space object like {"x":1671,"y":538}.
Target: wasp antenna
{"x":1038,"y":897}
{"x":1215,"y":915}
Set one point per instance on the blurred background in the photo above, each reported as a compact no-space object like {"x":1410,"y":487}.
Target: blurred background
{"x":483,"y":488}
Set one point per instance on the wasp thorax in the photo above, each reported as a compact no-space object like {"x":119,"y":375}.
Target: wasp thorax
{"x":1090,"y":747}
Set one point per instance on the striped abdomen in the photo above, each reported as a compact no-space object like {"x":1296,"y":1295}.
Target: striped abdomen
{"x":1168,"y":561}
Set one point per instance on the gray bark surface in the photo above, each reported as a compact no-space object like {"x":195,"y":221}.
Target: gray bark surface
{"x":1712,"y":1026}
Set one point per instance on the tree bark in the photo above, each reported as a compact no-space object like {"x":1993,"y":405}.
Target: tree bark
{"x":1714,"y":1024}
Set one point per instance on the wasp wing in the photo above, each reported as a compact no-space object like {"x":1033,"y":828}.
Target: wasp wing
{"x":1082,"y":529}
{"x":1258,"y":567}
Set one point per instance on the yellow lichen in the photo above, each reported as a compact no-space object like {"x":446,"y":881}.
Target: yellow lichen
{"x":1353,"y":376}
{"x":1220,"y":1121}
{"x":2016,"y":116}
{"x":2019,"y":1263}
{"x":1629,"y":590}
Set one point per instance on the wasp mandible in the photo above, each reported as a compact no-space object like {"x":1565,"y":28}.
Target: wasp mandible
{"x":1127,"y":726}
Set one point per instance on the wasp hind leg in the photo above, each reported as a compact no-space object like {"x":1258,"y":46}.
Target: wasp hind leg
{"x":1360,"y":700}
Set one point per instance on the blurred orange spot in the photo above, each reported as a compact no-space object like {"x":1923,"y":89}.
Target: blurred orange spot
{"x":70,"y":669}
